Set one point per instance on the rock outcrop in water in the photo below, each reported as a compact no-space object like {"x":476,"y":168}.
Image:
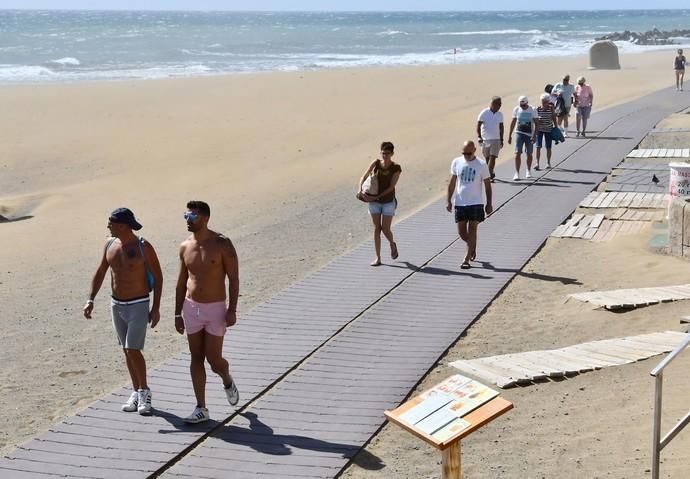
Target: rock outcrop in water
{"x":651,"y":37}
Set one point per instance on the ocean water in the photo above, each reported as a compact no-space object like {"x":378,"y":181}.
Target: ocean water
{"x":66,"y":46}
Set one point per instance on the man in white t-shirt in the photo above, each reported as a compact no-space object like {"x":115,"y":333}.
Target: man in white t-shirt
{"x":524,"y":124}
{"x":468,"y":175}
{"x":490,"y":132}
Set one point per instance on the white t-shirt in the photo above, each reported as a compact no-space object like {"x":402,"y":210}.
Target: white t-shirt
{"x":469,"y":184}
{"x":524,"y":124}
{"x":490,"y":124}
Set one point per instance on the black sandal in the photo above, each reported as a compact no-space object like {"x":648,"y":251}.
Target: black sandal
{"x":465,"y":265}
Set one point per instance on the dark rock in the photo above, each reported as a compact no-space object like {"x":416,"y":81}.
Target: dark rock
{"x":651,"y":37}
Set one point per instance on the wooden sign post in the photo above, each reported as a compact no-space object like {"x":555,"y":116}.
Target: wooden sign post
{"x":447,"y":439}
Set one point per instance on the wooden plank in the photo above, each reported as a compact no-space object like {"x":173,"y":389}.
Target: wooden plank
{"x":569,"y":364}
{"x":487,"y":373}
{"x":628,"y":198}
{"x":685,"y":153}
{"x":597,"y":202}
{"x":558,"y":232}
{"x":602,"y":359}
{"x":620,"y":359}
{"x":514,"y":368}
{"x":637,"y":200}
{"x":526,"y":361}
{"x":608,"y":202}
{"x":590,"y":234}
{"x":575,"y":219}
{"x":589,"y":199}
{"x":596,"y":221}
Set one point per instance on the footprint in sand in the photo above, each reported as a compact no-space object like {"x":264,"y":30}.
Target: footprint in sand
{"x":67,"y":374}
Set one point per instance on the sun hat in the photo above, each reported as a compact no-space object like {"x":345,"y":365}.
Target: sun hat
{"x":523,"y":99}
{"x":580,"y":80}
{"x":124,"y":216}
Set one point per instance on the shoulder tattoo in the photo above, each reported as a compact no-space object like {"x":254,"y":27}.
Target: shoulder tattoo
{"x":226,"y":244}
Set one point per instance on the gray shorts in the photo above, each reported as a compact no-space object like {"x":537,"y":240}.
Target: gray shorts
{"x":130,"y":320}
{"x":584,"y":111}
{"x":491,"y":148}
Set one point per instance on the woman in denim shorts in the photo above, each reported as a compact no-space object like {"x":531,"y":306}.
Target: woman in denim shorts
{"x":382,"y":205}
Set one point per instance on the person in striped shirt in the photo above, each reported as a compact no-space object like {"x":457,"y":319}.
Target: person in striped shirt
{"x":546,"y":121}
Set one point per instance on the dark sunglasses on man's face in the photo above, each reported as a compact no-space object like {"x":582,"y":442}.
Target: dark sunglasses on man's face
{"x":190,"y":216}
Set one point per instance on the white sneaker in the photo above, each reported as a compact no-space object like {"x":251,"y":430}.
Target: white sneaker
{"x":144,"y":406}
{"x":528,"y":174}
{"x":565,"y":133}
{"x":132,"y":403}
{"x":232,"y":393}
{"x":516,"y":176}
{"x":200,"y":414}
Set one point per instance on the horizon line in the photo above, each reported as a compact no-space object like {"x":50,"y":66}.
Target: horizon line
{"x":336,"y":10}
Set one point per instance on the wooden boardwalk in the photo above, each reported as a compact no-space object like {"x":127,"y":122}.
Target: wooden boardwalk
{"x":634,"y":297}
{"x":623,"y":199}
{"x":325,"y":357}
{"x":640,"y":181}
{"x":660,"y":153}
{"x":508,"y":370}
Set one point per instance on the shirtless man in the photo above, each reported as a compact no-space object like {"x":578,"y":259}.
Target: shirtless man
{"x":133,"y":266}
{"x":206,"y":259}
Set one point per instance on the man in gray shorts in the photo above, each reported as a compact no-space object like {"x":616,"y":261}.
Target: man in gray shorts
{"x":490,"y":133}
{"x":134,"y":272}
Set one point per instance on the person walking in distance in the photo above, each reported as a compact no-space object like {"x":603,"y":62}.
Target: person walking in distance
{"x":134,"y":271}
{"x":565,"y":90}
{"x":525,"y":119}
{"x":546,"y":121}
{"x":679,"y":67}
{"x":382,"y":203}
{"x":467,"y":176}
{"x":206,"y":259}
{"x":584,"y":99}
{"x":490,"y":133}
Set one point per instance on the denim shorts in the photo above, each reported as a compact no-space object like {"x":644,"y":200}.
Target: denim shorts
{"x":584,"y":111}
{"x":385,"y":209}
{"x":544,"y":137}
{"x":523,"y":141}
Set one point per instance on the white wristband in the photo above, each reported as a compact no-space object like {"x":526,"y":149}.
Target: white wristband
{"x":89,"y":301}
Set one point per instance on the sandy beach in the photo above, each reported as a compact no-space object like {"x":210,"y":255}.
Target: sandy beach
{"x":276,"y":155}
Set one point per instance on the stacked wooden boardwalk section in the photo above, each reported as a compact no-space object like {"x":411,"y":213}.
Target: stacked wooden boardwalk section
{"x":320,"y":361}
{"x":634,"y":297}
{"x":660,"y":153}
{"x":508,"y":370}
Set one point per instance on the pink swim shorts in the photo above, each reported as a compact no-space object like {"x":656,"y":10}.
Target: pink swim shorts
{"x":207,"y":316}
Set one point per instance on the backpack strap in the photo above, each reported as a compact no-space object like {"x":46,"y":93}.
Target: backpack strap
{"x":109,"y":243}
{"x":140,"y":242}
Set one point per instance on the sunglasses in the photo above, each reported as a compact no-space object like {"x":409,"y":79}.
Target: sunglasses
{"x":190,"y":216}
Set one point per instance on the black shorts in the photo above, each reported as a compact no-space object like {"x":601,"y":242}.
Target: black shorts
{"x":469,"y":213}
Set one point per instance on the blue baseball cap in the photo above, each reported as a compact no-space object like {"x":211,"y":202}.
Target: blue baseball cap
{"x":124,"y":216}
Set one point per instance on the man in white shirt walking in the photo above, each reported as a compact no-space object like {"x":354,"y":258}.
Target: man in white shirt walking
{"x":468,"y":173}
{"x":490,"y":133}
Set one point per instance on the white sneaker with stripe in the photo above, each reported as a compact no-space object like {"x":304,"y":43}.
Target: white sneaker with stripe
{"x":200,"y":414}
{"x":132,"y":403}
{"x":232,"y":393}
{"x":144,"y":407}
